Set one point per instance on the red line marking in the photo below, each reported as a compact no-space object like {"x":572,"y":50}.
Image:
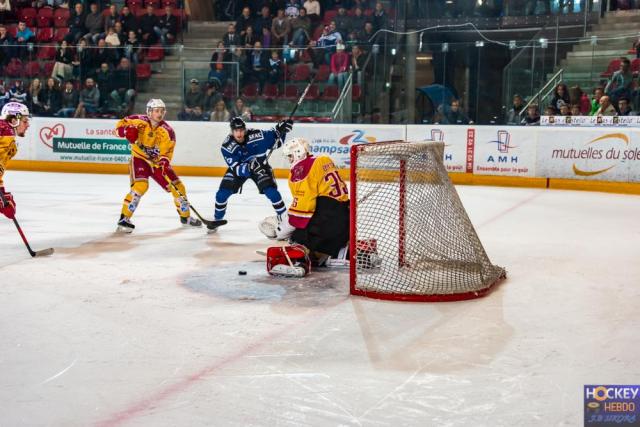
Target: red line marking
{"x":511,"y":209}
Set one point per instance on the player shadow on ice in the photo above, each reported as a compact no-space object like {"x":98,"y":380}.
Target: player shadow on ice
{"x":113,"y":242}
{"x":318,"y":289}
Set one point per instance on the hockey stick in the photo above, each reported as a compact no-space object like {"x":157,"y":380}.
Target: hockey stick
{"x":214,"y":223}
{"x":43,"y":252}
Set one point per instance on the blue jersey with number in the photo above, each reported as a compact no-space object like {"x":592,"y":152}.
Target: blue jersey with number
{"x":258,"y":143}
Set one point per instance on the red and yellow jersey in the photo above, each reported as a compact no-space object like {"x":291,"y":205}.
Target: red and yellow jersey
{"x":153,"y":143}
{"x":8,"y":147}
{"x":309,"y":179}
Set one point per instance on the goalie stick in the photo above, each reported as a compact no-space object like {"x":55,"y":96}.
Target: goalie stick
{"x":43,"y":252}
{"x":208,"y":223}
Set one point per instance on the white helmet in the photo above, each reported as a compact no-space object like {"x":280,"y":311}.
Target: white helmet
{"x":16,"y":110}
{"x":155,"y":103}
{"x":296,"y":149}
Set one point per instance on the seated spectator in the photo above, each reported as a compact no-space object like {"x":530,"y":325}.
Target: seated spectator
{"x":112,"y":41}
{"x":266,"y":38}
{"x":339,"y":66}
{"x":560,"y":94}
{"x":454,"y":115}
{"x":292,"y":8}
{"x":24,"y":36}
{"x":123,"y":95}
{"x":513,"y":116}
{"x":301,"y":28}
{"x":211,"y":98}
{"x":62,"y":68}
{"x":83,"y":61}
{"x":128,"y":21}
{"x":34,"y":98}
{"x":564,"y":109}
{"x":620,"y":83}
{"x":50,"y":98}
{"x":575,"y":110}
{"x":94,"y":23}
{"x":263,"y":21}
{"x":532,"y":117}
{"x":132,"y":48}
{"x":149,"y":26}
{"x":280,"y":28}
{"x":218,"y":69}
{"x":193,"y":102}
{"x":89,"y":99}
{"x":111,"y":19}
{"x":69,"y":100}
{"x":379,"y":17}
{"x":104,"y":80}
{"x":241,"y":110}
{"x":358,"y":21}
{"x":220,"y":113}
{"x":250,"y":38}
{"x":256,"y":67}
{"x":244,"y":21}
{"x":105,"y":52}
{"x":598,"y":93}
{"x":76,"y":24}
{"x":313,"y":11}
{"x":6,"y":14}
{"x":328,"y":41}
{"x":6,"y":46}
{"x":624,"y":107}
{"x":16,"y":92}
{"x":275,"y":68}
{"x":367,"y":35}
{"x":168,"y":28}
{"x":231,"y":38}
{"x":343,"y":22}
{"x":606,"y":108}
{"x":315,"y":53}
{"x":550,"y":111}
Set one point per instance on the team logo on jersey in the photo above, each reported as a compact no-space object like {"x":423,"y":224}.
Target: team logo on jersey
{"x":358,"y":137}
{"x":48,"y":133}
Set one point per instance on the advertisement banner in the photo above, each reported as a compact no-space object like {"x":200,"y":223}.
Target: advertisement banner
{"x":606,"y":154}
{"x":454,"y":138}
{"x":588,"y":121}
{"x":507,"y":151}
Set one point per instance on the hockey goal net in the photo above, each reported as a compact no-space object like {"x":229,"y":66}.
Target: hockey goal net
{"x":411,"y":238}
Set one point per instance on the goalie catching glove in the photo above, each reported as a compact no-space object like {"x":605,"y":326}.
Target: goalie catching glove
{"x":288,"y":261}
{"x":8,"y":207}
{"x":277,"y":227}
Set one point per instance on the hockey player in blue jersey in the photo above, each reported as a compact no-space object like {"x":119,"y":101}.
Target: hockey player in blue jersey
{"x":246,"y":153}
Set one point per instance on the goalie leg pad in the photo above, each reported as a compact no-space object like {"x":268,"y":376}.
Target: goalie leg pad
{"x":288,"y":261}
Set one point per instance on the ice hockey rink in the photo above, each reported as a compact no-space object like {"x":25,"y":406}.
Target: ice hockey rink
{"x":158,"y":329}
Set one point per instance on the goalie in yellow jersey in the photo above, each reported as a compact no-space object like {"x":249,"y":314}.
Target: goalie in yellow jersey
{"x":152,"y":143}
{"x":318,"y":217}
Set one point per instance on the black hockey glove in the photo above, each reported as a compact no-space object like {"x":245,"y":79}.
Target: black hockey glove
{"x":284,"y":126}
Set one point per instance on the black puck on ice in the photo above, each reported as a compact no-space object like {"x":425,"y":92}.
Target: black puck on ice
{"x":242,"y":273}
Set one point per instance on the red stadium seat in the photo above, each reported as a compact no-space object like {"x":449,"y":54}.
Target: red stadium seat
{"x":60,"y":34}
{"x":143,"y":71}
{"x":301,"y":73}
{"x":323,"y":73}
{"x":635,"y":65}
{"x":46,"y":53}
{"x":614,"y":65}
{"x":229,"y":92}
{"x":305,"y":56}
{"x":329,"y":16}
{"x":171,"y":3}
{"x":155,"y":53}
{"x":14,"y":68}
{"x":45,"y":17}
{"x":356,"y":92}
{"x":135,"y":4}
{"x":28,"y":15}
{"x":61,"y":18}
{"x":270,"y":92}
{"x":44,"y":35}
{"x":32,"y":69}
{"x":291,"y":93}
{"x":317,"y":33}
{"x":314,"y":92}
{"x":48,"y":68}
{"x":330,"y":93}
{"x":155,"y":3}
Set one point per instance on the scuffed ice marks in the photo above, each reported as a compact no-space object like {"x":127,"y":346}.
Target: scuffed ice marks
{"x":321,"y":287}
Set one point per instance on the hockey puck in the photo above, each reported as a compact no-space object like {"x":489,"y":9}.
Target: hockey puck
{"x":242,"y":273}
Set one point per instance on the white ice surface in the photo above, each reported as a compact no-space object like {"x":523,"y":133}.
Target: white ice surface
{"x":158,"y":329}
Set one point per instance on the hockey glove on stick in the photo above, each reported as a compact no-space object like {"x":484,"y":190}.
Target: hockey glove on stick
{"x":129,"y":132}
{"x":7,"y":204}
{"x":243,"y":170}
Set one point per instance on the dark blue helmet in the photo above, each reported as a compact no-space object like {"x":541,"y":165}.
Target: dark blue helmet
{"x":237,"y":123}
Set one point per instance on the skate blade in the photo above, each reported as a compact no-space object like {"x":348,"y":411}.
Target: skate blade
{"x":124,"y":230}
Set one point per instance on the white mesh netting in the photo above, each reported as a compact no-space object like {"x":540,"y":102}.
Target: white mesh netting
{"x":413,"y":236}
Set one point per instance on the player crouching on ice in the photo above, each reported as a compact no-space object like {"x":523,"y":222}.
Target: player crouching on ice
{"x":14,"y":121}
{"x":246,"y":152}
{"x":318,"y":219}
{"x":152,"y":144}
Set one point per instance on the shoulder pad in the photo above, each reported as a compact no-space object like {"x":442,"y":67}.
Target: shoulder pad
{"x":164,"y":125}
{"x":6,"y":129}
{"x":253,"y":134}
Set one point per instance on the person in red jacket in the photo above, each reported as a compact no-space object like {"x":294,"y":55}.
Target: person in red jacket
{"x":339,"y":66}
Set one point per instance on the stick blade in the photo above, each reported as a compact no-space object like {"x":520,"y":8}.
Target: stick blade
{"x":212,"y":225}
{"x":44,"y":252}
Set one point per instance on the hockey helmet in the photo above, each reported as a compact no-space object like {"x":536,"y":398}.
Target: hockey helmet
{"x":155,"y":103}
{"x":14,"y":111}
{"x":237,"y":123}
{"x":296,"y":149}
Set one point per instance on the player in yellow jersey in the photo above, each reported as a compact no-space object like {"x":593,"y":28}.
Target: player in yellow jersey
{"x":318,"y":217}
{"x":152,"y":144}
{"x":14,"y":121}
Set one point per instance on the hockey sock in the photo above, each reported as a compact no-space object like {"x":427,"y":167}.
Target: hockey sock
{"x":132,"y":199}
{"x":221,"y":203}
{"x":273,"y":194}
{"x":182,"y":205}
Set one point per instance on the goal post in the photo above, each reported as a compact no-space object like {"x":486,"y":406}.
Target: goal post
{"x":411,"y":238}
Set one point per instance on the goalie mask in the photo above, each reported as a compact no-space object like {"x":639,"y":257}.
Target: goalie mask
{"x":13,"y":112}
{"x":296,"y":149}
